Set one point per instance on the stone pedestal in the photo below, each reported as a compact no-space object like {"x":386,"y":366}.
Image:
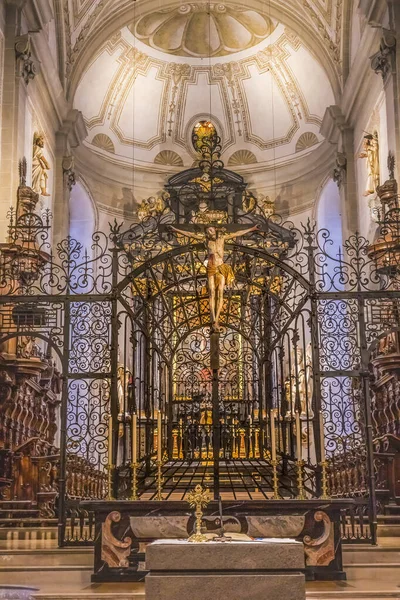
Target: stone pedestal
{"x":217,"y":571}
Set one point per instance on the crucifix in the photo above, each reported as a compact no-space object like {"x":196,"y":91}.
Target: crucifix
{"x":219,"y":274}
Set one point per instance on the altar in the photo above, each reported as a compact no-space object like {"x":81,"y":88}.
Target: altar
{"x":124,"y":530}
{"x":212,"y":570}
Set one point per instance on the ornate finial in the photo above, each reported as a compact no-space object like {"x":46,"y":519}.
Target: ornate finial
{"x":391,"y":164}
{"x":199,"y":498}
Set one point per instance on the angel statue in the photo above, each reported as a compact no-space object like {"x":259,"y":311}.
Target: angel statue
{"x":219,"y":274}
{"x":371,"y":153}
{"x":40,"y":166}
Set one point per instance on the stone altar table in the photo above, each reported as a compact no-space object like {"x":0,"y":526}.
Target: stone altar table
{"x":234,"y":570}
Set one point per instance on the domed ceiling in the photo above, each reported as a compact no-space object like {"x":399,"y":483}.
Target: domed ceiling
{"x":202,"y":30}
{"x":252,"y":76}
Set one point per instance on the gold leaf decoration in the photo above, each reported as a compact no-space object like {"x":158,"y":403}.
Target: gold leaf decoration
{"x":306,"y":140}
{"x":168,"y":157}
{"x":242,"y":157}
{"x":101,"y":140}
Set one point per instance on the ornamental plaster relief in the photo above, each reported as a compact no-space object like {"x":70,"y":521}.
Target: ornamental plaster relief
{"x":85,"y":20}
{"x":134,"y":98}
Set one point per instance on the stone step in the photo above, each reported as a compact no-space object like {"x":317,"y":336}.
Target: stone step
{"x":16,"y":504}
{"x":19,"y":513}
{"x":47,"y":557}
{"x":362,"y":572}
{"x":27,"y":522}
{"x":389,"y":530}
{"x":362,"y":554}
{"x":14,"y":534}
{"x":46,"y":576}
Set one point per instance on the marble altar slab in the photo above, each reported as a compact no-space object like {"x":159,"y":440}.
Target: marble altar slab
{"x":276,"y":526}
{"x":159,"y":527}
{"x":215,"y":556}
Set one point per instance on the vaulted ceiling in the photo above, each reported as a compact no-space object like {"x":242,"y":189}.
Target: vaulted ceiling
{"x":143,"y":73}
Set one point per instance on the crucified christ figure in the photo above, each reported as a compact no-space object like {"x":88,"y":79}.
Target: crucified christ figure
{"x":219,"y":274}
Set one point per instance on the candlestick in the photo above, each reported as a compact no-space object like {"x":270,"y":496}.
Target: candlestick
{"x":134,"y":438}
{"x":160,"y":481}
{"x":275,"y":479}
{"x":110,"y":457}
{"x":180,"y":439}
{"x":324,"y":495}
{"x":159,"y":440}
{"x":322,"y":436}
{"x":134,"y":495}
{"x":298,"y":436}
{"x":300,"y":482}
{"x":273,"y":440}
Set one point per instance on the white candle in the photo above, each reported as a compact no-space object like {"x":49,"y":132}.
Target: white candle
{"x":322,"y":436}
{"x":134,"y":439}
{"x":298,"y":435}
{"x":159,"y":441}
{"x":273,"y":441}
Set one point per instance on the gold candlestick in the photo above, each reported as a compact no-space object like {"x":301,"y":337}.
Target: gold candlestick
{"x":300,"y":482}
{"x":110,"y":466}
{"x":180,"y":439}
{"x":325,"y":495}
{"x":274,"y":464}
{"x":134,"y":467}
{"x":257,"y":443}
{"x":198,"y":499}
{"x":160,"y":481}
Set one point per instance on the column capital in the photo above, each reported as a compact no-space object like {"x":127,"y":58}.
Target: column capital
{"x":28,"y":67}
{"x":333,"y":124}
{"x":340,"y":170}
{"x":74,"y":129}
{"x":384,"y":61}
{"x":68,"y":166}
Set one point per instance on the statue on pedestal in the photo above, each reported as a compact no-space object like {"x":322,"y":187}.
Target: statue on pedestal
{"x":371,"y":153}
{"x":40,"y":166}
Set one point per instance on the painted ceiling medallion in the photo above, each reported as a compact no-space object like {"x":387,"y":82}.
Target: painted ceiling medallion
{"x":202,"y":29}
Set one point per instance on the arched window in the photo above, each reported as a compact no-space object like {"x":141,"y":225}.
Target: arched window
{"x":202,"y":130}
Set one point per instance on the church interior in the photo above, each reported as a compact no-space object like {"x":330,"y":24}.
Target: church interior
{"x":199,"y":299}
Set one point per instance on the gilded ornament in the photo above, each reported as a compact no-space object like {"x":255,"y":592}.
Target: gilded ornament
{"x":199,"y":498}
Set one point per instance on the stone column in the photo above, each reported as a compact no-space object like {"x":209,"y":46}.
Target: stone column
{"x":395,"y":27}
{"x":13,"y":112}
{"x":384,"y":62}
{"x":72,"y":133}
{"x":335,"y":129}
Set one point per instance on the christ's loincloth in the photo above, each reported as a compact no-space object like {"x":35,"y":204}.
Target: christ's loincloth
{"x":224,"y":270}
